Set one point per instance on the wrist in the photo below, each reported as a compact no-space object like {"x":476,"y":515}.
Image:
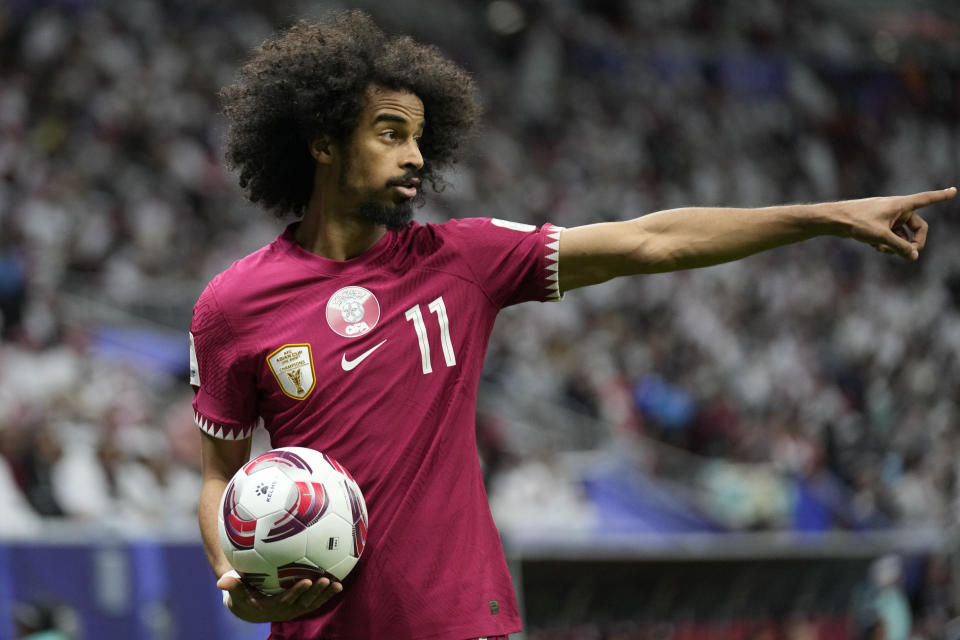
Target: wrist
{"x":829,"y":219}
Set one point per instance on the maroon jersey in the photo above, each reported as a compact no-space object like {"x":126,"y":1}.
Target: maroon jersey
{"x":376,"y":361}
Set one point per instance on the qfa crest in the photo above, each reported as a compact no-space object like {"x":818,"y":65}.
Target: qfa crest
{"x":352,"y":312}
{"x":292,"y":366}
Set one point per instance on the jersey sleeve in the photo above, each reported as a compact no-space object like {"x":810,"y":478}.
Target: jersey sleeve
{"x":224,"y":405}
{"x":511,"y":262}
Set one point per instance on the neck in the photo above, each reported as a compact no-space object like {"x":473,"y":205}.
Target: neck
{"x":331,"y":233}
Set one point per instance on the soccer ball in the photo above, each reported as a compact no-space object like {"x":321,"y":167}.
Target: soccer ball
{"x":289,"y":514}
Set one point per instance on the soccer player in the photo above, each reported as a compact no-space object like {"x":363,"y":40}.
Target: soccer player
{"x":361,"y":333}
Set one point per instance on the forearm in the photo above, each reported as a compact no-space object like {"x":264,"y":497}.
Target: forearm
{"x":209,"y":503}
{"x":701,"y":236}
{"x":687,"y":238}
{"x":220,"y":459}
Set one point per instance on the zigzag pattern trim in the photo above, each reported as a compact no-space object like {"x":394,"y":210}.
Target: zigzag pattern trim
{"x":222,"y":432}
{"x":551,"y":236}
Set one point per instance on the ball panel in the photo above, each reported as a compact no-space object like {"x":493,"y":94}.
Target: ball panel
{"x":308,"y":460}
{"x":289,"y":574}
{"x":266,"y":491}
{"x":330,"y":541}
{"x":358,"y":516}
{"x":250,"y":561}
{"x":264,"y":582}
{"x":339,"y":497}
{"x":256,"y":571}
{"x":348,"y":503}
{"x":281,"y":539}
{"x":311,"y":501}
{"x":234,"y":522}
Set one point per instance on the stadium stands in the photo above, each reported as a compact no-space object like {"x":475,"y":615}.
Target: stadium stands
{"x":810,"y":389}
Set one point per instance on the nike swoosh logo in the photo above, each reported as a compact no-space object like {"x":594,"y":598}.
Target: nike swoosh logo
{"x":349,"y":365}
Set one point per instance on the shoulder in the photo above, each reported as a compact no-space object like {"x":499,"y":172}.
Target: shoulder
{"x":474,"y":226}
{"x":460,"y":231}
{"x":473,"y":239}
{"x":245,"y":281}
{"x":436,"y":244}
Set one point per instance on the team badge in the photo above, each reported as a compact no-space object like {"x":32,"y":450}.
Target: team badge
{"x":292,"y":366}
{"x":352,"y":312}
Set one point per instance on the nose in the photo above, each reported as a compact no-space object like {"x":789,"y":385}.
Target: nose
{"x":412,"y":158}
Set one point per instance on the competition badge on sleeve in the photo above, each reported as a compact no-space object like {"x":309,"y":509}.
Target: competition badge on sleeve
{"x":352,"y":312}
{"x":292,"y":366}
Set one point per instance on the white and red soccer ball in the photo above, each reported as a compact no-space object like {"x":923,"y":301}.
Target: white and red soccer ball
{"x":289,"y":514}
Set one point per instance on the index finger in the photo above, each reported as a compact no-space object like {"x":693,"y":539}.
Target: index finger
{"x":925,"y":198}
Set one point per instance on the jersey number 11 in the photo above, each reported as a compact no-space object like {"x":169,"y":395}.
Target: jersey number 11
{"x":414,"y":314}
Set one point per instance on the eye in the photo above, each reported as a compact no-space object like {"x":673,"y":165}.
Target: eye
{"x":388,"y":134}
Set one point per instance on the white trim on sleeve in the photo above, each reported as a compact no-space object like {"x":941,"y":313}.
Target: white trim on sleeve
{"x":222,"y":432}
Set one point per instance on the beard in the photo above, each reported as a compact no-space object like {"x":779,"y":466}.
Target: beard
{"x":393,"y":216}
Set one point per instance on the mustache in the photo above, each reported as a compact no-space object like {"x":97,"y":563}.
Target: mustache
{"x":409,"y":179}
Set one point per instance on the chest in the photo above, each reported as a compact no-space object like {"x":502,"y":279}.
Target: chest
{"x":372,"y":343}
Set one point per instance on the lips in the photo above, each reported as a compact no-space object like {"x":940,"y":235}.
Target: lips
{"x":407,"y":191}
{"x":408,"y":188}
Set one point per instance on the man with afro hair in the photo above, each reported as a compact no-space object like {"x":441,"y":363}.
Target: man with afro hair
{"x":362,"y":334}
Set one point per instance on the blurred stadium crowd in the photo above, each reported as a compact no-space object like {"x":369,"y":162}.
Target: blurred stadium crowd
{"x":810,"y":388}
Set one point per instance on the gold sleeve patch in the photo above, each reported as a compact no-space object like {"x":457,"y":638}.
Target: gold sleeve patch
{"x":292,"y":367}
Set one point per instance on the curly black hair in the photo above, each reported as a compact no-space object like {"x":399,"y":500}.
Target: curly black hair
{"x":310,"y":80}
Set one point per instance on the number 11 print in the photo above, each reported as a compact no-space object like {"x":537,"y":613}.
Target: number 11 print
{"x":414,"y":314}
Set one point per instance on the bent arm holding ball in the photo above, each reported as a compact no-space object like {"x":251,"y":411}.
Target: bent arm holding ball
{"x":220,"y":460}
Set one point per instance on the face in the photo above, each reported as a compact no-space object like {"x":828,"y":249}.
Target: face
{"x":382,"y":160}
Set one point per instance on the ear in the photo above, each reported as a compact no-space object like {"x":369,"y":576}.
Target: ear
{"x":320,"y":150}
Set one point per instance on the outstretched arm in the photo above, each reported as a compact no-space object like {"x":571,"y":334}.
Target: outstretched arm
{"x":698,"y":237}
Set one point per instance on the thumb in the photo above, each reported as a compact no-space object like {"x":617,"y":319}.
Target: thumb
{"x":229,"y":581}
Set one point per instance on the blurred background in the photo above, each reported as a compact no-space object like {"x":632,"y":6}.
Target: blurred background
{"x":762,"y":450}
